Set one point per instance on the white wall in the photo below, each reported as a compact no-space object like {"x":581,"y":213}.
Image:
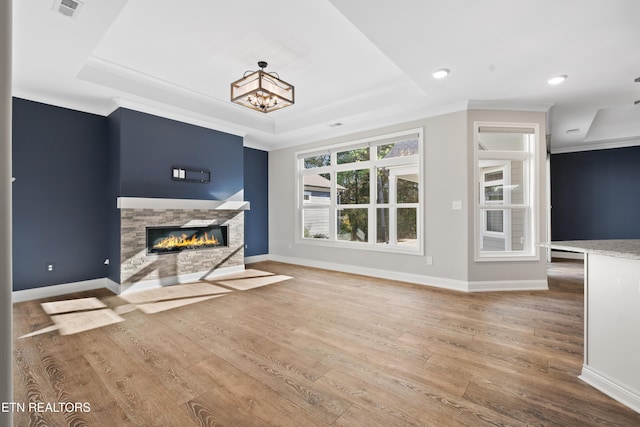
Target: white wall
{"x":448,"y":233}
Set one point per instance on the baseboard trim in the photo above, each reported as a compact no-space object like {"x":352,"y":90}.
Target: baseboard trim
{"x":62,"y":289}
{"x":508,"y":285}
{"x":116,"y":288}
{"x":256,"y":258}
{"x":418,"y":279}
{"x":437,"y":282}
{"x":112,"y":286}
{"x":611,"y":388}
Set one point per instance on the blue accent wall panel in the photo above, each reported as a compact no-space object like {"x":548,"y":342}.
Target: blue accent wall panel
{"x":72,"y":166}
{"x":113,"y":192}
{"x":150,"y":146}
{"x":59,"y":198}
{"x":256,"y":191}
{"x":596,"y":194}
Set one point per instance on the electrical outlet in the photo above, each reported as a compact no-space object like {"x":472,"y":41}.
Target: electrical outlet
{"x":429,"y":260}
{"x":51,"y":267}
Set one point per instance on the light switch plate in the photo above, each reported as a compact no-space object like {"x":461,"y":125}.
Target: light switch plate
{"x":456,"y":205}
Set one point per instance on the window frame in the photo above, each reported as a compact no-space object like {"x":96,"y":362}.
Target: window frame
{"x":372,"y":164}
{"x":530,"y":205}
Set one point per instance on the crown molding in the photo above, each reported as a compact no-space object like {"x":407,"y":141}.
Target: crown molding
{"x":177,"y":114}
{"x":509,"y":106}
{"x":155,"y":91}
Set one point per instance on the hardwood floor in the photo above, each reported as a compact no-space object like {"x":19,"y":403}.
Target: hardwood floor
{"x":322,"y":348}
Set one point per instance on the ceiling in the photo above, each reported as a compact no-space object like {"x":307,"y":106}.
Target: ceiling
{"x":361,"y":63}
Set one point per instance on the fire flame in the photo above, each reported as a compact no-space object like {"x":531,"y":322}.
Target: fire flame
{"x":184,"y":241}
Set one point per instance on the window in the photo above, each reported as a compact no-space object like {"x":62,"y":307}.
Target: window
{"x":365,"y":194}
{"x":506,"y":205}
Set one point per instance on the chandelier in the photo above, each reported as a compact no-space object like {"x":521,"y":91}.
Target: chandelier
{"x":262,"y":91}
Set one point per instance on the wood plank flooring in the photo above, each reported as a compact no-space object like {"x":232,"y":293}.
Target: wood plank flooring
{"x":321,"y":349}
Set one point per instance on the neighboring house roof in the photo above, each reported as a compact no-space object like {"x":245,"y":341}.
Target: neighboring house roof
{"x":318,"y":181}
{"x":403,"y":148}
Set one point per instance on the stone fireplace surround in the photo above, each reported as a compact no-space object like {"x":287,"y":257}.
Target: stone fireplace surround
{"x":140,"y":270}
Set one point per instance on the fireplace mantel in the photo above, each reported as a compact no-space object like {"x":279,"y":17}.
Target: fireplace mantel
{"x":157,"y":203}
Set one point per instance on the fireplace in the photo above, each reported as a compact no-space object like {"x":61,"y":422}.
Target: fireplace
{"x":141,"y":266}
{"x":172,"y":239}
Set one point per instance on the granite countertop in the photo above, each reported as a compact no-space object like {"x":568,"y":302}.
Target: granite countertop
{"x":621,"y":248}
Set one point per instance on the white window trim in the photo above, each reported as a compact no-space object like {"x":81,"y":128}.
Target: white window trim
{"x":532,"y":194}
{"x":372,"y":244}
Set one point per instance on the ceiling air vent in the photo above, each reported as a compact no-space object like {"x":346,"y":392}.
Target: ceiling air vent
{"x":69,"y":8}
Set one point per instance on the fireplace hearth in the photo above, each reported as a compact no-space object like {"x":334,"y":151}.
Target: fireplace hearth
{"x":174,"y":239}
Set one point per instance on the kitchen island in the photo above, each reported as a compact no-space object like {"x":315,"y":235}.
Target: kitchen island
{"x":612,"y":316}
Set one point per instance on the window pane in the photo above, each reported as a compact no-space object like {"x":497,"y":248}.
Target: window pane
{"x":493,"y":193}
{"x":407,"y":226}
{"x":398,"y":149}
{"x":516,"y":187}
{"x":317,"y":189}
{"x":504,"y":230}
{"x":317,"y":161}
{"x":352,"y":156}
{"x":407,"y":191}
{"x":493,"y":176}
{"x":353,"y":225}
{"x":507,"y":184}
{"x":353,"y":187}
{"x":382,"y":225}
{"x":315,"y":223}
{"x":503,"y":141}
{"x":382,"y":185}
{"x":349,"y":191}
{"x":518,"y":234}
{"x":495,"y":221}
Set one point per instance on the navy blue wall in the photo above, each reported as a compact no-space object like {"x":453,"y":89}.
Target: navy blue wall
{"x":113,"y":192}
{"x":59,"y":197}
{"x":71,"y":167}
{"x":150,"y":146}
{"x":144,"y":149}
{"x":596,"y":194}
{"x":256,"y":191}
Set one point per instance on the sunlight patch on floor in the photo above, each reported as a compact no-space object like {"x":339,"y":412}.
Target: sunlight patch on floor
{"x":83,"y":314}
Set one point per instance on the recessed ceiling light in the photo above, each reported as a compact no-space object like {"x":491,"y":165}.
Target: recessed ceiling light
{"x":576,"y":130}
{"x":557,"y":80}
{"x":441,"y":73}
